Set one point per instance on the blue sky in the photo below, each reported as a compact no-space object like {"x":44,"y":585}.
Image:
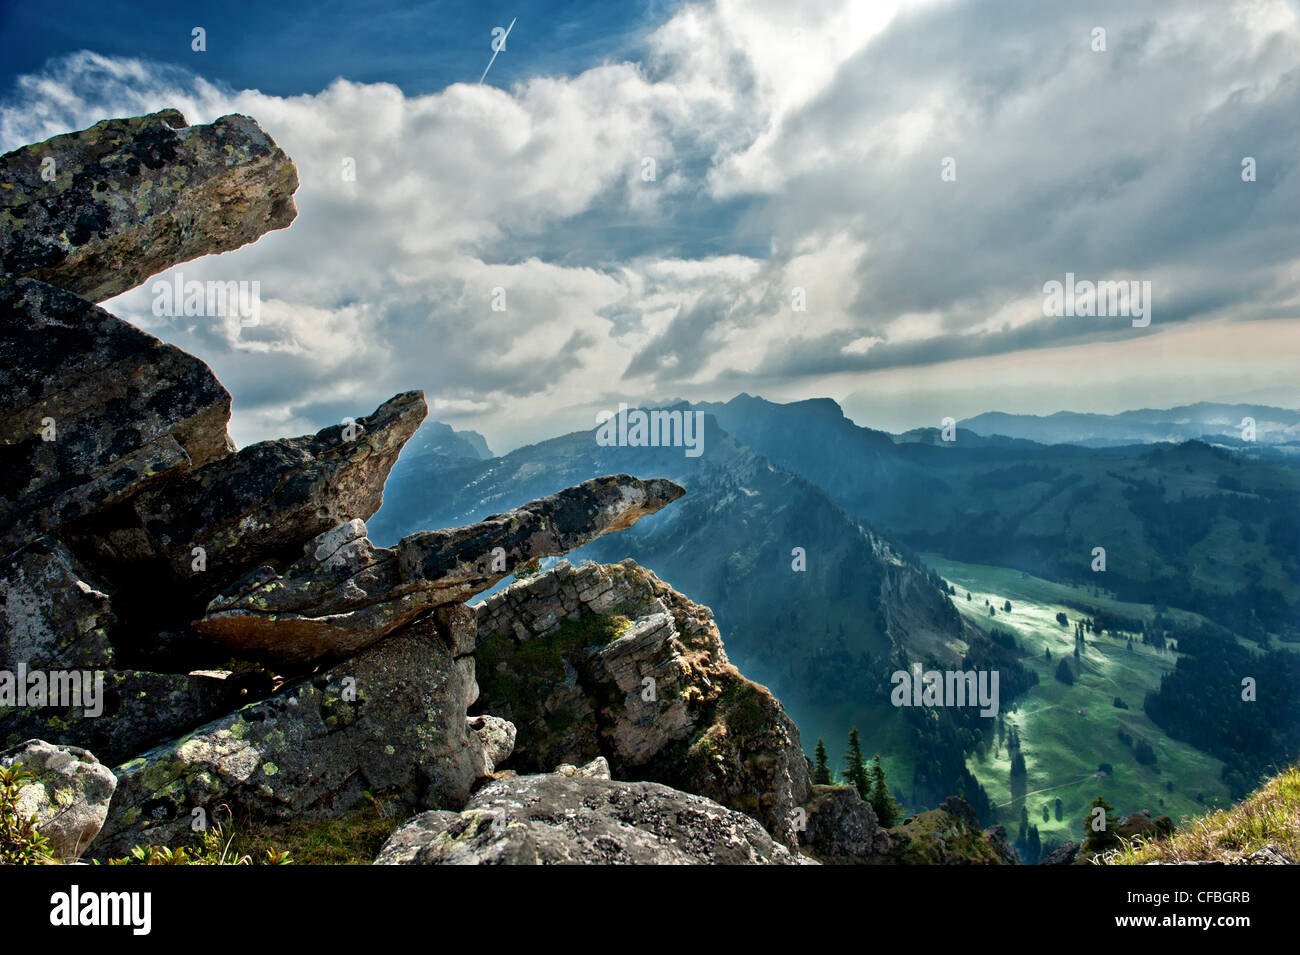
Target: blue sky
{"x":654,"y":186}
{"x":285,"y":48}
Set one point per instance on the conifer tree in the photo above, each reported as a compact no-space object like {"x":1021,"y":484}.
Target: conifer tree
{"x":821,"y":767}
{"x":882,"y":801}
{"x":855,"y":766}
{"x":1095,"y":841}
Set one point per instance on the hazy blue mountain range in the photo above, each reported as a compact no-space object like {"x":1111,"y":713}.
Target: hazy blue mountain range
{"x":1204,"y":420}
{"x":1188,"y":525}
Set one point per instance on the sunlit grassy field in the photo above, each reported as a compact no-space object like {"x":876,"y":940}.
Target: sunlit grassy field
{"x":1067,"y":731}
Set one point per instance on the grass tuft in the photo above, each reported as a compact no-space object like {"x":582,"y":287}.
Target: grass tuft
{"x":1269,"y":816}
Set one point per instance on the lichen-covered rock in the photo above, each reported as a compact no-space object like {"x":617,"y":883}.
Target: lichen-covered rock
{"x":391,"y":720}
{"x":138,"y":709}
{"x":344,"y":593}
{"x":840,"y":828}
{"x":1268,"y":855}
{"x":257,"y":506}
{"x":69,"y":793}
{"x":51,"y":617}
{"x":99,"y":211}
{"x":598,"y":768}
{"x":552,"y":819}
{"x":496,"y":737}
{"x":92,"y":410}
{"x":608,"y":660}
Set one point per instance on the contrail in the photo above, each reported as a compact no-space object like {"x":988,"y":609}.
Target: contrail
{"x":497,"y":50}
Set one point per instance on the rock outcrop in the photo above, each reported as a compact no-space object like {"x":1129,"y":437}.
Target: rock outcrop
{"x":611,"y":661}
{"x":68,"y":794}
{"x":553,"y":819}
{"x":99,"y":211}
{"x":949,"y":835}
{"x":50,"y":615}
{"x":841,"y":829}
{"x":170,"y":550}
{"x":344,"y":593}
{"x":1064,"y":854}
{"x":391,"y":720}
{"x":94,"y":411}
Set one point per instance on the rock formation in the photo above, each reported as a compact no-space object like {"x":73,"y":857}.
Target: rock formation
{"x":842,"y":829}
{"x":97,"y":212}
{"x":344,"y":593}
{"x":95,"y":410}
{"x":68,"y":794}
{"x":391,"y":720}
{"x":257,"y":652}
{"x":611,"y":661}
{"x":554,"y":819}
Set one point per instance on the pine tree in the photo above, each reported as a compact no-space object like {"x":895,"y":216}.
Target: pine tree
{"x":886,"y":807}
{"x":1099,"y":841}
{"x":855,"y":766}
{"x":821,"y":768}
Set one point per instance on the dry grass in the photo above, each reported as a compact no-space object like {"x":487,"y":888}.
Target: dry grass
{"x":1269,"y":816}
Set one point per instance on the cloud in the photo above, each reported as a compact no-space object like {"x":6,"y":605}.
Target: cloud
{"x":792,"y":147}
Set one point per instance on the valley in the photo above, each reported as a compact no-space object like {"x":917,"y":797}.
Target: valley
{"x":1067,"y":732}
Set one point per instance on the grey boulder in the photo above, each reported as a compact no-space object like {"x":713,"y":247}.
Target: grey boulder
{"x":69,"y":793}
{"x":553,"y":819}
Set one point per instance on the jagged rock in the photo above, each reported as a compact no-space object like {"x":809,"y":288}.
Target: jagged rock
{"x":1001,"y":845}
{"x":261,"y":504}
{"x":50,"y":616}
{"x":344,"y":593}
{"x":1269,"y":855}
{"x":608,"y":660}
{"x":497,"y":738}
{"x":956,"y":806}
{"x":121,"y":410}
{"x":949,"y":835}
{"x":550,"y":819}
{"x":840,"y":828}
{"x":130,"y":198}
{"x":391,"y":720}
{"x":69,"y":793}
{"x":598,"y":768}
{"x":138,"y":709}
{"x":1064,"y":854}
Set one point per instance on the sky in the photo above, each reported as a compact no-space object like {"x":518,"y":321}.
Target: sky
{"x":656,"y":187}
